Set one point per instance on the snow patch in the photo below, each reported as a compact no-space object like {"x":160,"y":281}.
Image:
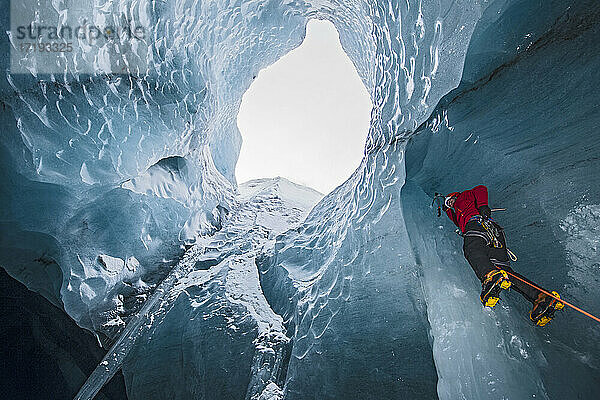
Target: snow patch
{"x":113,"y":265}
{"x":271,"y":392}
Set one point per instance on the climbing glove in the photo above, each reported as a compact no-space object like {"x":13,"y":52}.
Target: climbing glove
{"x":485,"y":212}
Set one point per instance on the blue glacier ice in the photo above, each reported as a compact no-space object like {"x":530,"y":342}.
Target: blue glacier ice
{"x":120,"y":205}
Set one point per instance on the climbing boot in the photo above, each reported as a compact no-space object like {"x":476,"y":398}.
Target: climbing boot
{"x":544,"y":308}
{"x":494,"y":282}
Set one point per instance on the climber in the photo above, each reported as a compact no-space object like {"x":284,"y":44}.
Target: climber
{"x":485,"y":250}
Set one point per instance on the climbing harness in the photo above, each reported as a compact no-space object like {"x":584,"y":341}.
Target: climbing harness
{"x":555,"y":296}
{"x":492,"y":231}
{"x":491,"y":234}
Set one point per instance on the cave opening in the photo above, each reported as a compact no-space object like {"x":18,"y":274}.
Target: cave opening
{"x":307,"y":116}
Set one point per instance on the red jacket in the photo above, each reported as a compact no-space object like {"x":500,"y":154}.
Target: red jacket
{"x":467,"y":204}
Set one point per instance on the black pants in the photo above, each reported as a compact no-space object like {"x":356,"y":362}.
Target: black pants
{"x":484,"y":258}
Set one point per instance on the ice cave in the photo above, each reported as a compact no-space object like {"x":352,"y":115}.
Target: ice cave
{"x":135,"y":266}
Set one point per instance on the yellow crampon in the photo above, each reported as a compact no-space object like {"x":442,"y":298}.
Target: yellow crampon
{"x":491,"y":293}
{"x":548,"y":314}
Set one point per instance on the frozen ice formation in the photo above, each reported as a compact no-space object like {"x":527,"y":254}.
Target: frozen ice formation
{"x":215,"y":288}
{"x":119,"y":202}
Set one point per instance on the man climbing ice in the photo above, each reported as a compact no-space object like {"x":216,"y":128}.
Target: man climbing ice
{"x":485,"y":250}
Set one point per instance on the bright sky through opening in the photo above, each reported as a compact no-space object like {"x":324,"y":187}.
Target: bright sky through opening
{"x":306,"y":117}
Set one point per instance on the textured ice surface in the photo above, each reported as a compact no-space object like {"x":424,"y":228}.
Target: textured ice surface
{"x":131,"y":165}
{"x":528,"y":129}
{"x":478,"y":353}
{"x":228,"y":335}
{"x":582,"y":226}
{"x":107,"y":180}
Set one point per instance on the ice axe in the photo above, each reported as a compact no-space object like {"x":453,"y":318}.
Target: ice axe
{"x":436,"y":198}
{"x":439,"y":199}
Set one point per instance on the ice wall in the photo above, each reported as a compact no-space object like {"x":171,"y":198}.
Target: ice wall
{"x":523,"y":123}
{"x":347,"y":281}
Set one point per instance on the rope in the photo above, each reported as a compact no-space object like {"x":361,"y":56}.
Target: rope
{"x":553,"y":296}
